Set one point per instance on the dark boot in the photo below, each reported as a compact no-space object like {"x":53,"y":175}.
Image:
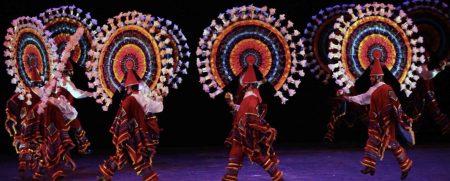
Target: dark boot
{"x":101,"y":178}
{"x":404,"y":175}
{"x":22,"y":174}
{"x":39,"y":172}
{"x":82,"y":141}
{"x":368,"y":170}
{"x":107,"y":170}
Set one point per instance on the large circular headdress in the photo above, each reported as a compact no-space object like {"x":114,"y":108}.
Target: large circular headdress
{"x":371,"y":29}
{"x":28,"y":47}
{"x":251,"y":31}
{"x":150,"y":45}
{"x":316,"y":41}
{"x":62,"y":22}
{"x":433,"y":21}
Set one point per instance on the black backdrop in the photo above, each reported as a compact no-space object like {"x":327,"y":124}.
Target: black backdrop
{"x":190,"y":117}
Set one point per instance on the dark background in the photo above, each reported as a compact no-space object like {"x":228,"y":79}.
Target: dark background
{"x":190,"y":117}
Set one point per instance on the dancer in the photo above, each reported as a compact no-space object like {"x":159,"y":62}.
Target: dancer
{"x":68,"y":90}
{"x":385,"y":114}
{"x":22,"y":124}
{"x":251,"y":135}
{"x":135,"y":132}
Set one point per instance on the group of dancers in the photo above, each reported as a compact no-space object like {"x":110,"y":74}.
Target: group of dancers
{"x":142,"y":55}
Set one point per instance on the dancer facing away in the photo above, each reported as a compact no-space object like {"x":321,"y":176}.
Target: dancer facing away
{"x":22,"y":124}
{"x":51,"y":139}
{"x":69,"y":91}
{"x":251,"y":135}
{"x":135,"y":132}
{"x":384,"y":115}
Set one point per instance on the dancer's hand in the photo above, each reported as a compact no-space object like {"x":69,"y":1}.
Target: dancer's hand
{"x":346,"y":97}
{"x":229,"y":99}
{"x":340,"y":92}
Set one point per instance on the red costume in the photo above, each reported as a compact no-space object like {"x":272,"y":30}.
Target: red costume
{"x":422,"y":104}
{"x":384,"y":115}
{"x":251,"y":135}
{"x":22,"y":125}
{"x":40,"y":138}
{"x":56,"y":143}
{"x":70,"y":92}
{"x":135,"y":135}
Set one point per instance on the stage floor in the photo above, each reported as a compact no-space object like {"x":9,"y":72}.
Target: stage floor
{"x":321,"y":163}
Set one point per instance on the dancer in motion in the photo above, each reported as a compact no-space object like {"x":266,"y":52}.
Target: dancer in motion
{"x":52,"y":143}
{"x":247,"y":42}
{"x":135,"y":132}
{"x":22,"y":124}
{"x":251,"y":135}
{"x":384,"y":115}
{"x":67,"y":90}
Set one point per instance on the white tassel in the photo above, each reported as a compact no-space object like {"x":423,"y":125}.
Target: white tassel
{"x":272,"y":11}
{"x":165,"y":90}
{"x":14,"y":81}
{"x":198,"y":62}
{"x":28,"y":102}
{"x":333,"y":66}
{"x":419,"y":70}
{"x":179,"y":80}
{"x":285,"y":87}
{"x":303,"y":63}
{"x":408,"y":92}
{"x":291,"y":92}
{"x":422,"y":50}
{"x":206,"y":88}
{"x":301,"y":73}
{"x":402,"y":87}
{"x":339,"y":82}
{"x":398,"y":19}
{"x":420,"y":39}
{"x":290,"y":80}
{"x":422,"y":59}
{"x":198,"y":52}
{"x":283,"y":100}
{"x":297,"y":83}
{"x":278,"y":94}
{"x":413,"y":85}
{"x":407,"y":81}
{"x":413,"y":67}
{"x":20,"y":97}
